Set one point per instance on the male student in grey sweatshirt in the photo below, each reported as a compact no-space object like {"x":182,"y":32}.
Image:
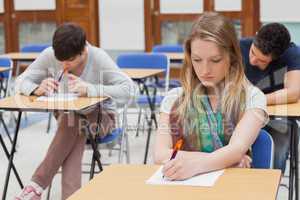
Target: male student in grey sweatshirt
{"x":91,"y":73}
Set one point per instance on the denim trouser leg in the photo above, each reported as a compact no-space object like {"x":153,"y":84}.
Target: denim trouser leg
{"x":280,"y":130}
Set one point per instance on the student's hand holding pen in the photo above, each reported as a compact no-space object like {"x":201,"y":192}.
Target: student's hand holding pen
{"x":184,"y":166}
{"x":77,"y":85}
{"x":47,"y":86}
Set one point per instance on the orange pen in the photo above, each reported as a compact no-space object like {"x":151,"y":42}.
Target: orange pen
{"x":176,"y":148}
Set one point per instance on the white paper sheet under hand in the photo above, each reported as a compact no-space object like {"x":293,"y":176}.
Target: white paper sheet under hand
{"x":205,"y":180}
{"x":59,"y":97}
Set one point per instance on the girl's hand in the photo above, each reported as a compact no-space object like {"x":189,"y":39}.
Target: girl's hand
{"x":180,"y":168}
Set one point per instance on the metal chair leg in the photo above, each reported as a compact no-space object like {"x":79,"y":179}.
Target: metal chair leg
{"x":49,"y":122}
{"x":49,"y":190}
{"x":138,"y":123}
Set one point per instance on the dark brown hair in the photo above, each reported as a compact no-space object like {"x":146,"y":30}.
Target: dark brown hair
{"x":272,"y":39}
{"x":68,"y":41}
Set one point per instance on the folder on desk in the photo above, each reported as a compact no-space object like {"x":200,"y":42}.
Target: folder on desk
{"x":204,"y":180}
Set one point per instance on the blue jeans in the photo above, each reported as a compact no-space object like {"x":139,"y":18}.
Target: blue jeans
{"x":280,"y":130}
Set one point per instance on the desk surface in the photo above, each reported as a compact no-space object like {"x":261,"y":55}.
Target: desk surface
{"x":175,"y":56}
{"x":4,"y":69}
{"x":141,"y":73}
{"x":29,"y":103}
{"x":21,"y":56}
{"x":128,"y":182}
{"x":285,"y":110}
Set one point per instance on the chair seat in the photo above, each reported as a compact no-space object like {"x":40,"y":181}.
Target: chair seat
{"x":172,"y":84}
{"x":162,"y":84}
{"x":143,"y":100}
{"x":109,"y":137}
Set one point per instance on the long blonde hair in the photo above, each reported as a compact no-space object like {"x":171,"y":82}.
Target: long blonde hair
{"x":215,"y":28}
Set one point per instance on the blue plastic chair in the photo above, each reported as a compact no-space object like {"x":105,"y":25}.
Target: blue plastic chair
{"x":148,"y":61}
{"x":5,"y":79}
{"x":263,"y":151}
{"x":176,"y":48}
{"x":36,"y":48}
{"x":5,"y":76}
{"x":168,"y":49}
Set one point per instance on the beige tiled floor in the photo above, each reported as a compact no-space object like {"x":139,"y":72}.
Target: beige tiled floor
{"x":32,"y":145}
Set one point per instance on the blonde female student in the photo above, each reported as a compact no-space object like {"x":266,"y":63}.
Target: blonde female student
{"x":217,"y":112}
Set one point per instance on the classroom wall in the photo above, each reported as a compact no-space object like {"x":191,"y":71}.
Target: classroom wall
{"x":122,"y":22}
{"x":270,"y":11}
{"x":1,"y":6}
{"x":122,"y":25}
{"x":34,"y":5}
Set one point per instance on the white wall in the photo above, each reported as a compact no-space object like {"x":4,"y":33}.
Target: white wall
{"x":34,"y":4}
{"x":280,"y":11}
{"x":1,"y":6}
{"x":122,"y":21}
{"x":225,"y":5}
{"x":179,"y":6}
{"x":122,"y":24}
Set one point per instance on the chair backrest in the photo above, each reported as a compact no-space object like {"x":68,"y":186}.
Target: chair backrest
{"x":162,"y":48}
{"x":145,"y":60}
{"x":36,"y":48}
{"x":263,"y":151}
{"x":5,"y":76}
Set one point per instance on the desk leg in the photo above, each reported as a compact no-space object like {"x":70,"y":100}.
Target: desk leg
{"x":152,"y":118}
{"x":292,"y":163}
{"x":96,"y":153}
{"x":12,"y":152}
{"x":13,"y":166}
{"x":296,"y":141}
{"x":5,"y":128}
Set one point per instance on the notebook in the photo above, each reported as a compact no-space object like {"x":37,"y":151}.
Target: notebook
{"x":205,"y":180}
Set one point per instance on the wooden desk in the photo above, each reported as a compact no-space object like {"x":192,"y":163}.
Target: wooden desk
{"x":22,"y":103}
{"x":128,"y":182}
{"x":292,"y":113}
{"x":4,"y":69}
{"x":20,"y":56}
{"x":141,"y":73}
{"x":290,"y":110}
{"x":29,"y":103}
{"x":175,"y":56}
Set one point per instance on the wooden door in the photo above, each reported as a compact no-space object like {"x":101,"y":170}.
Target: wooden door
{"x":82,"y":12}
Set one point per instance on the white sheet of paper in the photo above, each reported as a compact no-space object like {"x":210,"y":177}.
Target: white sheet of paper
{"x":59,"y":97}
{"x":205,"y":180}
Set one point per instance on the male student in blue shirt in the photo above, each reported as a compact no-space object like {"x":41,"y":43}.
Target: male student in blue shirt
{"x":272,"y":63}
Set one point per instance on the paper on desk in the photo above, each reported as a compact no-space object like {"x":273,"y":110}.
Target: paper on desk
{"x":59,"y":97}
{"x":205,"y":180}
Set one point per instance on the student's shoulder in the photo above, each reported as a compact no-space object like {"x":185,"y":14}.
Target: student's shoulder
{"x":253,"y":91}
{"x":255,"y":98}
{"x":175,"y":92}
{"x":97,"y":50}
{"x":47,"y":54}
{"x":170,"y":99}
{"x":246,"y":41}
{"x":291,"y":57}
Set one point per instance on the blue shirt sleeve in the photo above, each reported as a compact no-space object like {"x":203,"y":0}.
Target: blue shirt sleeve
{"x":291,"y":57}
